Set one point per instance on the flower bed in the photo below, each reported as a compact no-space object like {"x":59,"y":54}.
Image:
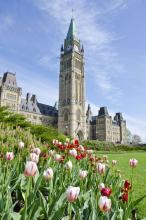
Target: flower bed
{"x":60,"y":181}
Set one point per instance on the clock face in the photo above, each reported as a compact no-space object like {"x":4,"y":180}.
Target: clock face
{"x":69,"y":47}
{"x":76,"y":48}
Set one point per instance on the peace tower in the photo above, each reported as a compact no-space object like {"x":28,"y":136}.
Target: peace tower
{"x":71,"y":109}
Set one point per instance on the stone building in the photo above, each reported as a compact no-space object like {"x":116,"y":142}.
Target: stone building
{"x":72,"y":118}
{"x":10,"y":93}
{"x":71,"y":110}
{"x":104,"y":128}
{"x":35,"y":112}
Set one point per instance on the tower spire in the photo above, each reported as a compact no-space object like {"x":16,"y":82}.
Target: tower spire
{"x":71,"y":34}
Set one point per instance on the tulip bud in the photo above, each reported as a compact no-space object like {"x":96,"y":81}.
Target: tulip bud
{"x":75,"y":142}
{"x":9,"y":156}
{"x":68,"y":165}
{"x":34,"y":157}
{"x":57,"y":157}
{"x":51,"y":152}
{"x":89,"y":152}
{"x":83,"y":174}
{"x":81,"y":148}
{"x":30,"y":168}
{"x":72,"y":193}
{"x":133,"y":162}
{"x":21,"y":145}
{"x":73,"y":152}
{"x":48,"y":174}
{"x":105,"y":157}
{"x":101,"y":186}
{"x":106,"y":192}
{"x":37,"y":150}
{"x":67,"y":140}
{"x":114,"y":162}
{"x":100,"y":168}
{"x":104,"y":204}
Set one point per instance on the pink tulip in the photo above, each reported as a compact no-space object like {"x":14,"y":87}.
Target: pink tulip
{"x":114,"y":162}
{"x":37,"y":150}
{"x":133,"y":162}
{"x":30,"y":168}
{"x":83,"y":174}
{"x":21,"y":145}
{"x":68,"y":165}
{"x":9,"y":156}
{"x":72,"y":193}
{"x":100,"y":168}
{"x":57,"y":157}
{"x":104,"y":204}
{"x":81,"y":148}
{"x":34,"y":157}
{"x":48,"y":174}
{"x":73,"y":152}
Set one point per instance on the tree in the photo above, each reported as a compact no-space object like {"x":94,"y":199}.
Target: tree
{"x":128,"y":136}
{"x":136,"y":139}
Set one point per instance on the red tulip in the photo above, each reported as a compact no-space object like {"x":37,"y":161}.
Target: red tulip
{"x":106,"y":192}
{"x":124,"y":197}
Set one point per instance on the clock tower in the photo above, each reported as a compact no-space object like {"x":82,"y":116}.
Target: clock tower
{"x":71,"y":109}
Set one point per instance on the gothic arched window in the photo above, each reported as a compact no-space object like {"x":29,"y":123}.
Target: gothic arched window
{"x":66,"y":116}
{"x":78,"y":113}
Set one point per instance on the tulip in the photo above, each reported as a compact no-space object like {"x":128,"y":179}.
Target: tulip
{"x":106,"y":192}
{"x":68,"y":165}
{"x":72,"y":193}
{"x":48,"y":174}
{"x":104,"y":204}
{"x":34,"y":157}
{"x":37,"y":150}
{"x":73,"y":152}
{"x":57,"y":157}
{"x":89,"y":152}
{"x":127,"y":185}
{"x":101,"y":186}
{"x":21,"y":145}
{"x":124,"y":197}
{"x":105,"y":157}
{"x":81,"y":148}
{"x":67,"y":140}
{"x":100,"y":168}
{"x":30,"y":168}
{"x":75,"y":142}
{"x":133,"y":162}
{"x":83,"y":174}
{"x":114,"y":162}
{"x":51,"y":152}
{"x":9,"y":156}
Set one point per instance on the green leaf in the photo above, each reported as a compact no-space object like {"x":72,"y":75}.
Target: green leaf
{"x":58,"y":214}
{"x":15,"y":216}
{"x":136,"y":202}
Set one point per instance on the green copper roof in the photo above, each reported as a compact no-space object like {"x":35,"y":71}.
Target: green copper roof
{"x":71,"y":31}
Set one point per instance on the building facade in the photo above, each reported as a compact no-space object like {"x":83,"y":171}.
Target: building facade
{"x":71,"y":117}
{"x":106,"y":128}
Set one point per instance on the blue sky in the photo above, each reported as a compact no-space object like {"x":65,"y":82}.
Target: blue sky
{"x":114,"y":36}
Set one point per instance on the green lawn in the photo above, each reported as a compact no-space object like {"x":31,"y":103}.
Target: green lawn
{"x":139,"y":184}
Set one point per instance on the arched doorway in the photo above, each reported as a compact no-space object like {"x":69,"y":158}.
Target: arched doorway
{"x":80,"y":135}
